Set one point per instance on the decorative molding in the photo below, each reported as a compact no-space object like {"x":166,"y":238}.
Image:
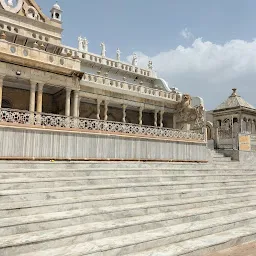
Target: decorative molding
{"x":10,"y":7}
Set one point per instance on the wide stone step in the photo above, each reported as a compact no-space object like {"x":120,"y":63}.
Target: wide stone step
{"x":132,"y":203}
{"x":203,"y":245}
{"x":222,"y":159}
{"x":32,"y":223}
{"x":113,"y":165}
{"x":60,"y":192}
{"x":19,"y":173}
{"x":69,"y":165}
{"x":30,"y":183}
{"x":81,"y":237}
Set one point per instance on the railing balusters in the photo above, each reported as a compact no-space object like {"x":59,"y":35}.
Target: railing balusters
{"x":59,"y":121}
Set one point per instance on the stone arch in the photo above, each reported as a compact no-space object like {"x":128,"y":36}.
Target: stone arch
{"x":209,"y":127}
{"x":235,"y":126}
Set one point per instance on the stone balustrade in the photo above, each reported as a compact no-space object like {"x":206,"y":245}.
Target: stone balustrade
{"x":130,"y":87}
{"x":37,"y":57}
{"x":106,"y":61}
{"x":44,"y":120}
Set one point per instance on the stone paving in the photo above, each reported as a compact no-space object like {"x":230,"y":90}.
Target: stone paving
{"x":243,"y":250}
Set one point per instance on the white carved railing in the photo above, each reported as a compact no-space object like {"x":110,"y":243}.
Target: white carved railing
{"x":21,"y":117}
{"x":130,"y":87}
{"x":91,"y":57}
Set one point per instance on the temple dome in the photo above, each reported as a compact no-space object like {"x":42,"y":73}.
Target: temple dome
{"x":56,"y":6}
{"x":234,"y":101}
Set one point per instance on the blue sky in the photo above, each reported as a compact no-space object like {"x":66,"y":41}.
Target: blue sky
{"x":201,"y":47}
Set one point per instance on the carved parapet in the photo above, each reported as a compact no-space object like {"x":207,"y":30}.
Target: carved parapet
{"x":187,"y":116}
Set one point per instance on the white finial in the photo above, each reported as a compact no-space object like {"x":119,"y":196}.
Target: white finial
{"x":234,"y":92}
{"x":135,"y":60}
{"x":82,"y":44}
{"x":10,"y":3}
{"x":103,"y":49}
{"x":118,"y":54}
{"x":150,"y":64}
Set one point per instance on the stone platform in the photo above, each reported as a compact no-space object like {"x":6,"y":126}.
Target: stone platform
{"x":125,"y":208}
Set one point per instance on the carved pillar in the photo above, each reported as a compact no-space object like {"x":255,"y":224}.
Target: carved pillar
{"x":76,"y":104}
{"x":124,"y":113}
{"x":155,"y":118}
{"x":39,"y":106}
{"x":98,"y":108}
{"x":32,"y":96}
{"x":141,"y":116}
{"x":174,"y":125}
{"x":161,"y":118}
{"x":106,"y":110}
{"x":67,"y":103}
{"x":217,"y":139}
{"x":1,"y":90}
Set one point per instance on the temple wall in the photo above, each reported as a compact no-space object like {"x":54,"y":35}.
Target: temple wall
{"x":35,"y":143}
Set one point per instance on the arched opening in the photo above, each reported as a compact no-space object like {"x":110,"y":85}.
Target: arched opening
{"x":209,"y":132}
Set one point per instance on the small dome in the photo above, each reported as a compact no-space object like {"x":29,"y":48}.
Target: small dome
{"x":56,"y":6}
{"x":234,"y":101}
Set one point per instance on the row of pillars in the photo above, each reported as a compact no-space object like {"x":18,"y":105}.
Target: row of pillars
{"x":40,"y":100}
{"x":124,"y":108}
{"x":36,"y":90}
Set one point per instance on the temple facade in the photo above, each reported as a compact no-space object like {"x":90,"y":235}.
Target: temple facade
{"x":49,"y":91}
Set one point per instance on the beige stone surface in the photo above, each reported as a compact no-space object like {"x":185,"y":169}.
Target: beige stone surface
{"x":248,"y":249}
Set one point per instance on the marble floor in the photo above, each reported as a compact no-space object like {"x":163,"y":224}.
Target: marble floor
{"x":242,"y":250}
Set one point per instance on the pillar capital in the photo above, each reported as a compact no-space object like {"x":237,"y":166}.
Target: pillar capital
{"x":99,"y":101}
{"x":33,"y":85}
{"x":40,"y":87}
{"x":68,"y":90}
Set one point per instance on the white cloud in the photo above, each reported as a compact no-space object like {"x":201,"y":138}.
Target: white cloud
{"x":185,"y":33}
{"x":209,"y":70}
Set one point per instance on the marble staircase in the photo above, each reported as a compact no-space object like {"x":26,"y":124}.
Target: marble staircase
{"x":125,"y":208}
